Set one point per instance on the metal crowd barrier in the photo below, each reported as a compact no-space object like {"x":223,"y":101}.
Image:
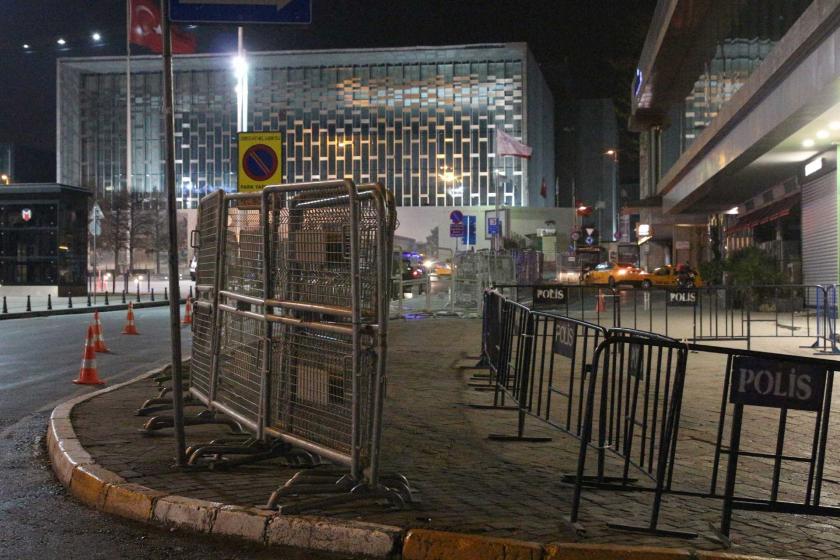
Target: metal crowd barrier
{"x":290,"y":334}
{"x":703,"y":314}
{"x":630,"y":393}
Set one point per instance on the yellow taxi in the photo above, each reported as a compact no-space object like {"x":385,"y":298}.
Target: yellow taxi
{"x":612,"y":274}
{"x":666,"y":276}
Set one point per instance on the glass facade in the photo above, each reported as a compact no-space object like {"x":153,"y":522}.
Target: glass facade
{"x":751,"y":30}
{"x":421,"y":121}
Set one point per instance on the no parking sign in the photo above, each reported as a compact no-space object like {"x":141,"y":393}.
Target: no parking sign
{"x":260,"y":160}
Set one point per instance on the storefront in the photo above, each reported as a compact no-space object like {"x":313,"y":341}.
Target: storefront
{"x":43,"y":237}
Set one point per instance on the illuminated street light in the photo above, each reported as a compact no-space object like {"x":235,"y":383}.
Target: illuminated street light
{"x":240,"y":72}
{"x":61,"y":41}
{"x":96,"y":36}
{"x":4,"y":179}
{"x":26,"y":46}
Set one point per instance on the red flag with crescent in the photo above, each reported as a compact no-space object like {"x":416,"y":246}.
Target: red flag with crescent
{"x":147,"y":31}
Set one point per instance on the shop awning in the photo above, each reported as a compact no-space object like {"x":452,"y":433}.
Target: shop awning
{"x":769,"y":213}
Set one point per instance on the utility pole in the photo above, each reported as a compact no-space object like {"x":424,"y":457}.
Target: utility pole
{"x":172,"y":215}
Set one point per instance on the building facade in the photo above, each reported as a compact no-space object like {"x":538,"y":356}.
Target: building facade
{"x":420,"y":120}
{"x":737,"y":109}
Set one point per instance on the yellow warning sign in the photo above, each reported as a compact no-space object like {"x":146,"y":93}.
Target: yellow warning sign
{"x":260,"y":160}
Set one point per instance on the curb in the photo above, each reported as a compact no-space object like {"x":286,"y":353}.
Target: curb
{"x":84,"y":309}
{"x":105,"y":491}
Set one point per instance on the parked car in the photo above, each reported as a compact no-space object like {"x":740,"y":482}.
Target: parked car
{"x":611,"y":274}
{"x":667,"y":276}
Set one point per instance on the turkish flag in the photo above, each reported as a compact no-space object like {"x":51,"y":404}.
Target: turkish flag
{"x":146,"y":29}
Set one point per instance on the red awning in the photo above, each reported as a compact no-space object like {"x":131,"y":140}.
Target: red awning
{"x":769,"y":213}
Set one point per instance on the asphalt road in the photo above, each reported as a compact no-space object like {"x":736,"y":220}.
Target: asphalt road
{"x":39,"y":358}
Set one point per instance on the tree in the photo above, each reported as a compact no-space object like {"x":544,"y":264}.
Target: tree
{"x":115,"y":227}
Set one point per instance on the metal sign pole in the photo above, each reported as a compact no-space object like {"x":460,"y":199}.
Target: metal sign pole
{"x":174,"y":287}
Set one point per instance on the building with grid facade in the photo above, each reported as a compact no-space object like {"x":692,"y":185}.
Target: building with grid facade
{"x":420,"y":120}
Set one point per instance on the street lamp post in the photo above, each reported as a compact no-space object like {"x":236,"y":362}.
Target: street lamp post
{"x":613,"y":155}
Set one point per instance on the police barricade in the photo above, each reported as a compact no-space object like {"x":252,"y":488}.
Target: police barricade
{"x":329,"y":251}
{"x":779,"y":404}
{"x":631,"y":418}
{"x":540,"y":361}
{"x":595,"y":304}
{"x":209,"y":256}
{"x":299,"y":336}
{"x":729,"y":313}
{"x":205,"y":242}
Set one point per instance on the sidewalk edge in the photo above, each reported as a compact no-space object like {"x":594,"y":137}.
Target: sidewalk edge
{"x":105,"y":491}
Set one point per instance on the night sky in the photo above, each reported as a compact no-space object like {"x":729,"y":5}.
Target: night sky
{"x":586,"y":48}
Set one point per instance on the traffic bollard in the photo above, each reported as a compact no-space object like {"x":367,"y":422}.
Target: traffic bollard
{"x":5,"y":307}
{"x":165,"y":294}
{"x":88,"y":300}
{"x":190,"y":292}
{"x":49,"y":302}
{"x":28,"y":303}
{"x":69,"y":302}
{"x":106,"y":298}
{"x":123,"y":296}
{"x":138,"y":292}
{"x":152,"y":293}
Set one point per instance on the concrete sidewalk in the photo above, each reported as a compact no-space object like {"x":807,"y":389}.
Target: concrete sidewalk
{"x":466,"y":482}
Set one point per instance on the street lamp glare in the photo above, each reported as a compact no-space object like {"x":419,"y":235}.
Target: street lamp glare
{"x":96,"y":36}
{"x":26,"y":45}
{"x":61,"y":41}
{"x":610,"y":152}
{"x":240,"y":66}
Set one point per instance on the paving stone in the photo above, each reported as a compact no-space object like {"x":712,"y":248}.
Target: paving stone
{"x":471,"y":484}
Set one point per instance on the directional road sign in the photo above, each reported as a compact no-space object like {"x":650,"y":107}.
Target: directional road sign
{"x":241,"y":11}
{"x":260,"y":160}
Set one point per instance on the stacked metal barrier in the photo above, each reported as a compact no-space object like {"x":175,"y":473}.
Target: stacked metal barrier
{"x":290,"y":333}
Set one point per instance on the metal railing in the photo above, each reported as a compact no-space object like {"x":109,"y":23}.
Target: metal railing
{"x":729,"y":313}
{"x":626,"y":398}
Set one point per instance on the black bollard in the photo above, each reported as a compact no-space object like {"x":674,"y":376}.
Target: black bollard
{"x":138,"y":292}
{"x":123,"y":296}
{"x":28,"y":303}
{"x":88,"y":301}
{"x":152,"y":293}
{"x":190,"y":292}
{"x":49,"y":302}
{"x":69,"y":302}
{"x":5,"y":307}
{"x":106,"y":298}
{"x":165,"y":294}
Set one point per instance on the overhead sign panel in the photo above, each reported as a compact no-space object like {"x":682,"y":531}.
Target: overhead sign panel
{"x":260,"y":160}
{"x":241,"y":11}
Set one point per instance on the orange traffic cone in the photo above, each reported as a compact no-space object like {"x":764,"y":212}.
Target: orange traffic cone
{"x":188,"y":313}
{"x":88,"y":374}
{"x":601,"y":303}
{"x":98,"y":339}
{"x":129,"y":327}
